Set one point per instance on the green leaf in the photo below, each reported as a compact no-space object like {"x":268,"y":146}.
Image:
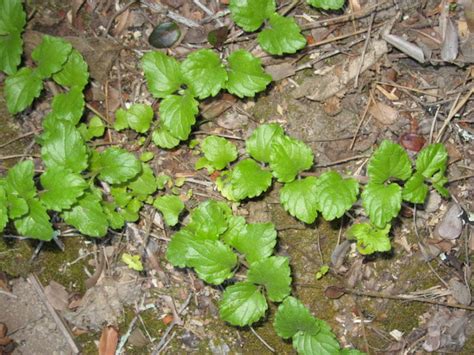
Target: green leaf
{"x":69,"y":106}
{"x":209,"y":219}
{"x":236,"y":225}
{"x":12,"y":16}
{"x":116,"y":165}
{"x":256,"y":241}
{"x":438,"y":181}
{"x":3,"y":208}
{"x":322,"y":343}
{"x":432,"y":159}
{"x":335,"y":195}
{"x":289,"y":157}
{"x":36,"y":223}
{"x":62,"y":188}
{"x":242,"y":304}
{"x":274,"y":274}
{"x":218,"y":151}
{"x":180,"y":247}
{"x":382,"y":203}
{"x":164,"y":139}
{"x":17,"y":206}
{"x":259,"y":144}
{"x":370,"y":239}
{"x":246,"y":76}
{"x":284,"y":36}
{"x":114,"y":218}
{"x":50,"y":55}
{"x":95,"y":128}
{"x":11,"y":48}
{"x":171,"y":207}
{"x":204,"y":73}
{"x":138,"y":117}
{"x":88,"y":216}
{"x":178,"y":114}
{"x":351,"y":352}
{"x":133,"y":261}
{"x":212,"y":260}
{"x":293,"y":317}
{"x":19,"y":180}
{"x":300,"y":199}
{"x":121,"y":195}
{"x":415,"y":190}
{"x":246,"y":180}
{"x":74,"y":73}
{"x":250,"y":14}
{"x":63,"y":147}
{"x":327,"y":4}
{"x":390,"y":160}
{"x":21,"y":88}
{"x":162,"y":74}
{"x":130,"y":212}
{"x":144,"y":184}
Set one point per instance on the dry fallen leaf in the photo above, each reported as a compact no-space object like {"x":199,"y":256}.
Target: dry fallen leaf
{"x":383,"y":113}
{"x":108,"y":341}
{"x":450,"y":226}
{"x":167,"y":319}
{"x":332,"y":106}
{"x":334,"y":292}
{"x":57,"y":296}
{"x":412,"y":141}
{"x":460,"y":291}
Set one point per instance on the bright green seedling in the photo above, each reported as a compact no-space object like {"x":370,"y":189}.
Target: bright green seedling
{"x":310,"y":335}
{"x":323,"y":270}
{"x":281,"y":35}
{"x":327,"y":4}
{"x":12,"y":22}
{"x":370,"y":239}
{"x":203,"y":74}
{"x":218,"y":153}
{"x":133,"y":261}
{"x":171,"y":207}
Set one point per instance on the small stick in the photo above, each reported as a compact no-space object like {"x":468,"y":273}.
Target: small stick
{"x":17,"y":139}
{"x":14,"y":156}
{"x":364,"y":50}
{"x":366,"y":110}
{"x":345,"y":160}
{"x":433,"y":124}
{"x":262,"y":340}
{"x":454,"y":109}
{"x":465,"y":177}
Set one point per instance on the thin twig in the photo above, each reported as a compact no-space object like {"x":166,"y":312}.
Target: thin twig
{"x":262,"y":340}
{"x":17,"y":139}
{"x":364,"y":50}
{"x":433,"y":124}
{"x":341,"y":161}
{"x":465,"y":177}
{"x":366,"y":110}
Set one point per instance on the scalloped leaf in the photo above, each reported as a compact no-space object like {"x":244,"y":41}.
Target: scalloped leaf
{"x":218,"y":152}
{"x":370,"y":239}
{"x":35,"y":224}
{"x":390,"y":160}
{"x":74,"y":72}
{"x":209,"y":219}
{"x":178,"y":114}
{"x":171,"y":207}
{"x":415,"y":189}
{"x":382,"y":203}
{"x":273,"y":273}
{"x":256,"y":241}
{"x":204,"y":73}
{"x":246,"y":76}
{"x":242,"y":304}
{"x":138,"y":117}
{"x":300,"y":199}
{"x":283,"y":37}
{"x":162,"y":73}
{"x":259,"y":144}
{"x":164,"y":139}
{"x":50,"y":55}
{"x":293,"y":317}
{"x":115,"y":165}
{"x":88,"y":216}
{"x":327,"y":4}
{"x":21,"y":88}
{"x":289,"y":157}
{"x":335,"y":195}
{"x":246,"y":180}
{"x":250,"y":14}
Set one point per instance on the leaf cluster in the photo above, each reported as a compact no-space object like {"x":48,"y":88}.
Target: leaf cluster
{"x":201,"y":75}
{"x":12,"y":22}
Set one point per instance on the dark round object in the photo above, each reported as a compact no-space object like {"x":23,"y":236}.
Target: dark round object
{"x":164,"y":35}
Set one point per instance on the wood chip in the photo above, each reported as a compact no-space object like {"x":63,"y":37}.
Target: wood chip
{"x":108,"y":341}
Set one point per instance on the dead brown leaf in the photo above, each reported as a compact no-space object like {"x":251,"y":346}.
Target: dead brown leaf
{"x":108,"y":341}
{"x":57,"y":296}
{"x":412,"y":141}
{"x":383,"y":113}
{"x":332,"y":106}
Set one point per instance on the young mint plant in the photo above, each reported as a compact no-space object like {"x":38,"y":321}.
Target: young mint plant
{"x":310,"y":335}
{"x":327,"y":4}
{"x":281,"y":35}
{"x":300,"y":199}
{"x":370,"y":239}
{"x":12,"y":22}
{"x":259,"y":144}
{"x":218,"y":153}
{"x":203,"y":74}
